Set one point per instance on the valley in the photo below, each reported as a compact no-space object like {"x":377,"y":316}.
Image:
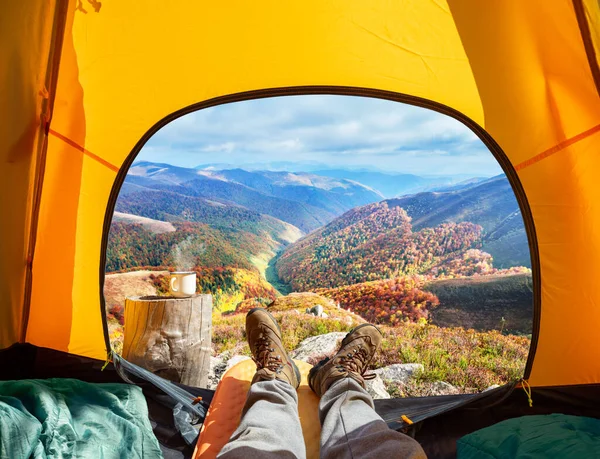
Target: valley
{"x":354,"y":238}
{"x":454,"y":256}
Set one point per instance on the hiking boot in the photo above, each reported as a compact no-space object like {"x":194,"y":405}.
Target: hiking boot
{"x":351,"y":361}
{"x":264,"y":338}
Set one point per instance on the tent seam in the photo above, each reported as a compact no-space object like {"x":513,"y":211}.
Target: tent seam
{"x":558,"y":147}
{"x":86,"y":152}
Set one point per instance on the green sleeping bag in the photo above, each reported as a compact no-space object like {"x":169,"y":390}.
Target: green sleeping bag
{"x":68,"y":418}
{"x":533,"y":437}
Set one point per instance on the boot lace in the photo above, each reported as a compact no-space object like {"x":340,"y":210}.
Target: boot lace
{"x":264,"y":356}
{"x":356,"y":362}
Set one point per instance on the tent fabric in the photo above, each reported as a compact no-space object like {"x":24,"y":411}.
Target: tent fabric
{"x":24,"y":54}
{"x":521,"y":73}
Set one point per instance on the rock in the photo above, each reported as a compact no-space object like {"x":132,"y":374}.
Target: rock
{"x":492,"y":387}
{"x":219,"y":365}
{"x":234,"y":360}
{"x":399,"y":372}
{"x":217,"y":368}
{"x":443,"y":388}
{"x":318,"y":346}
{"x":376,"y":388}
{"x":317,"y":310}
{"x":324,"y":315}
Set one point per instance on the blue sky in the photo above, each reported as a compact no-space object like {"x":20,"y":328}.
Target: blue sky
{"x":312,"y":132}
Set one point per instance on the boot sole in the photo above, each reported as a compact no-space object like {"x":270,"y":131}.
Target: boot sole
{"x":296,"y":370}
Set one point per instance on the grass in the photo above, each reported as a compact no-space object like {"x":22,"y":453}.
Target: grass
{"x":467,"y":359}
{"x":229,"y":330}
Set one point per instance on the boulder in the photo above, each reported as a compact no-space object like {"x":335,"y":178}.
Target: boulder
{"x":347,"y":320}
{"x":318,"y":346}
{"x":234,"y":360}
{"x":443,"y":388}
{"x":376,"y":388}
{"x":218,"y":366}
{"x":399,"y":372}
{"x":316,"y":311}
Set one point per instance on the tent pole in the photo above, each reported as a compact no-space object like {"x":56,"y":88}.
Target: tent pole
{"x":56,"y":43}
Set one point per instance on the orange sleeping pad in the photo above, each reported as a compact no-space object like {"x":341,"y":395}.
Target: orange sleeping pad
{"x":225,"y":410}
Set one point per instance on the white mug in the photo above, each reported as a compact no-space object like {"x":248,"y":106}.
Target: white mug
{"x":183,"y":284}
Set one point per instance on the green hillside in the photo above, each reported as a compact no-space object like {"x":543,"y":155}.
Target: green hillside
{"x":132,"y":246}
{"x":484,"y":303}
{"x":490,"y":204}
{"x":376,"y":242}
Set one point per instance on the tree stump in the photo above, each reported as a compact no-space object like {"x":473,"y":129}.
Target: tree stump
{"x":170,"y":336}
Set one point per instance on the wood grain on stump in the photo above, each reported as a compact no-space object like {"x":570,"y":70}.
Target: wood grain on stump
{"x":170,"y":336}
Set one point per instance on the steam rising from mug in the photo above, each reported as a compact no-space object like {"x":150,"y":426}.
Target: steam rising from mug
{"x":185,"y":254}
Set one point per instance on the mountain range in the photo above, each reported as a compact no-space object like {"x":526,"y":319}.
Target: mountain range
{"x":392,"y":185}
{"x":389,"y":184}
{"x":305,"y":200}
{"x":433,"y":233}
{"x":257,"y":231}
{"x":280,"y":202}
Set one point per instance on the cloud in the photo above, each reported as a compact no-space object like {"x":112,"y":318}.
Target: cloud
{"x":337,"y":131}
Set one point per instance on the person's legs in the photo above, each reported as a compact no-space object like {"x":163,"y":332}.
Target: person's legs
{"x":350,"y":427}
{"x":270,"y":426}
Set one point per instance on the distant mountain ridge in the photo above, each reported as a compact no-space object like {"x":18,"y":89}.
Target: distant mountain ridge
{"x":304,"y":200}
{"x":390,"y":184}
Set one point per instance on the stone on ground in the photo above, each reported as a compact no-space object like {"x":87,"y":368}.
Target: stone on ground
{"x":399,"y":372}
{"x":443,"y":388}
{"x":376,"y":388}
{"x":234,"y":360}
{"x":318,"y":346}
{"x":218,"y":366}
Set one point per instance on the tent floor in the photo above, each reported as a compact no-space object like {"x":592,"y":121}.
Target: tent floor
{"x":437,"y":434}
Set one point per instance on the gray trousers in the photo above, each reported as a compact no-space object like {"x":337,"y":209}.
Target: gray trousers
{"x":350,"y":427}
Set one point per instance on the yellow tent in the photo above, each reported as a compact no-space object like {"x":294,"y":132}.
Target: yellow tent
{"x":86,"y":83}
